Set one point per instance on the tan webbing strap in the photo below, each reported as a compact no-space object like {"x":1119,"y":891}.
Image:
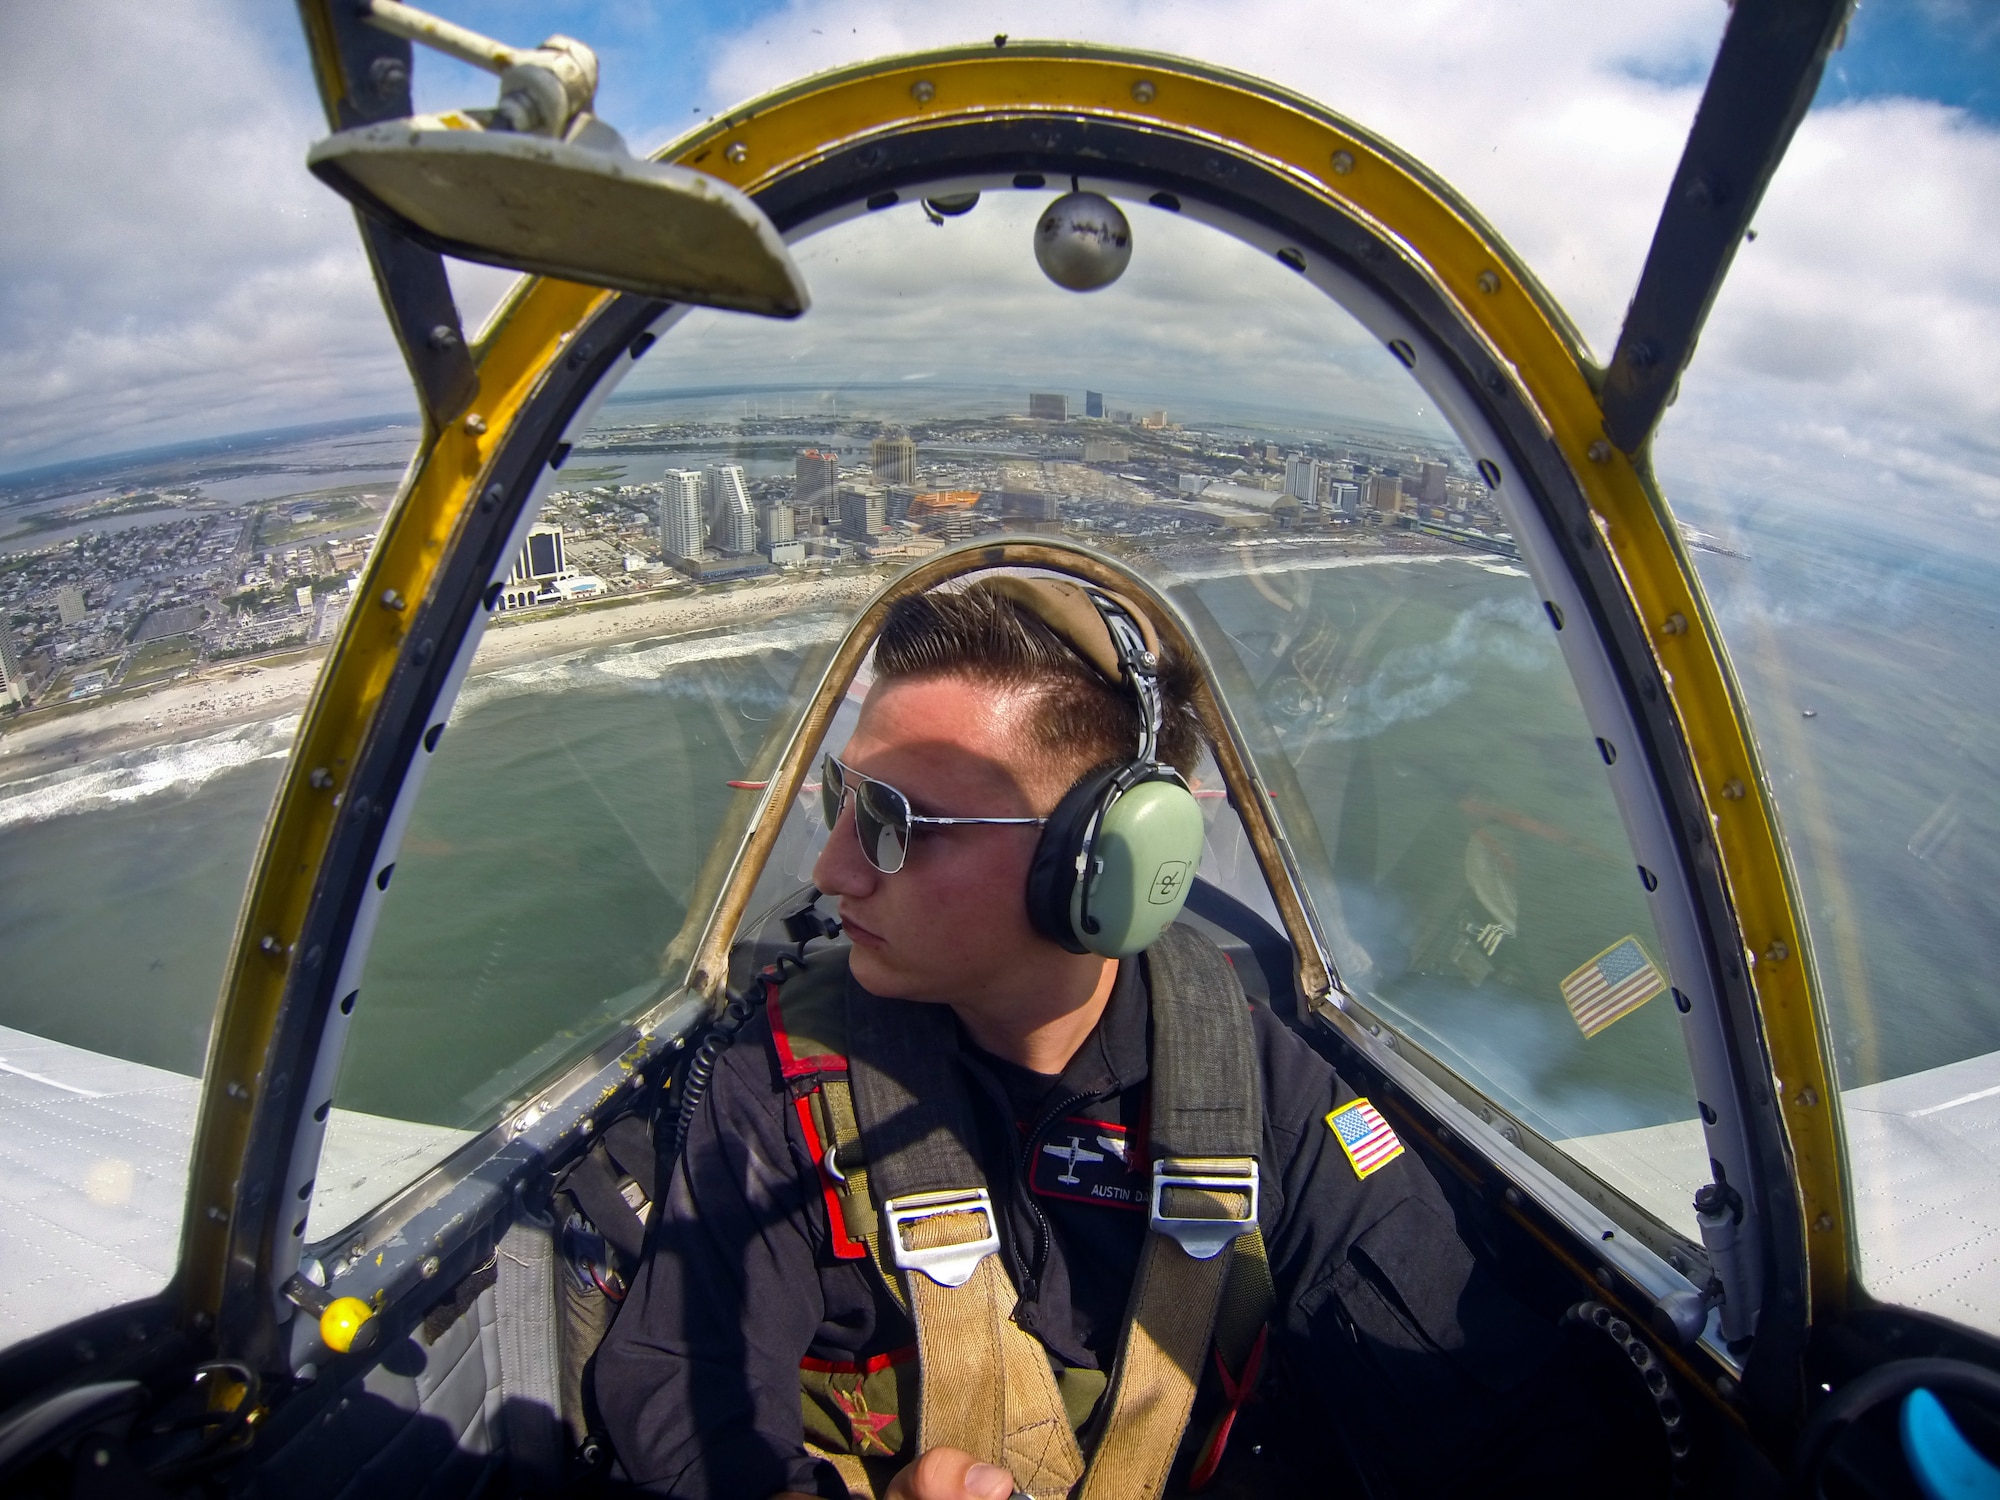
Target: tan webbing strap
{"x":865,"y":1478}
{"x":1207,"y":1118}
{"x":1175,"y":1299}
{"x":1248,"y":1300}
{"x":987,"y":1387}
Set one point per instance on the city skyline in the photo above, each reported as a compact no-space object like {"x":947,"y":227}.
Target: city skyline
{"x":136,"y":586}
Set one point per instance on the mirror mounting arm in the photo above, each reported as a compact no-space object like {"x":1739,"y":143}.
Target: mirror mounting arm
{"x":542,"y":89}
{"x":364,"y":76}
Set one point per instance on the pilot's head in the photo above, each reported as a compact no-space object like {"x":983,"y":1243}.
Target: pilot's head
{"x":978,"y":709}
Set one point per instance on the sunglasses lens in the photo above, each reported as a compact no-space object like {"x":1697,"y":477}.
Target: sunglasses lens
{"x":882,"y":818}
{"x":832,"y":791}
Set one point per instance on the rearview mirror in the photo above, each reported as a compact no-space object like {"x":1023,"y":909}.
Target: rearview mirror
{"x":565,"y":209}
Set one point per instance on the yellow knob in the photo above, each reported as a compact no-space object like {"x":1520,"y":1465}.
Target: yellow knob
{"x":342,"y":1321}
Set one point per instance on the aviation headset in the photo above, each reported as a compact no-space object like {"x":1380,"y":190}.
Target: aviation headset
{"x":1120,"y":851}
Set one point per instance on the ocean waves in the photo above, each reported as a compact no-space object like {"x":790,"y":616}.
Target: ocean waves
{"x":183,"y":768}
{"x":649,"y":666}
{"x":134,"y":775}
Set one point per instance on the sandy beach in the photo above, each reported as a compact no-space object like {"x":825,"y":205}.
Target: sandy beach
{"x":227,"y":694}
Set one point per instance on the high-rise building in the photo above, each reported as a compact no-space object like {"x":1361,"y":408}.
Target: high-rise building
{"x":956,"y":525}
{"x":13,"y":681}
{"x":1026,"y":506}
{"x":1105,"y":451}
{"x":1385,"y":493}
{"x":541,"y":555}
{"x":70,"y":604}
{"x":774,"y":527}
{"x":893,"y":457}
{"x":1432,"y":491}
{"x":862,"y":512}
{"x":682,"y":532}
{"x":541,"y":563}
{"x":1047,"y":406}
{"x":1093,"y":403}
{"x":1302,"y":479}
{"x":732,"y":524}
{"x":934,"y":509}
{"x":816,"y":477}
{"x":1343,"y":498}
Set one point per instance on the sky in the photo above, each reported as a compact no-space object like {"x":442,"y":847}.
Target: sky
{"x":169,"y":271}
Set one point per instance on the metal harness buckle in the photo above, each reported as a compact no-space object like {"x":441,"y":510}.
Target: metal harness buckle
{"x":1204,"y":1239}
{"x":947,"y":1265}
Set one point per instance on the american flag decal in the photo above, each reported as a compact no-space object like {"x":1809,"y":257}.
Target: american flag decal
{"x":1615,"y":983}
{"x":1365,"y":1136}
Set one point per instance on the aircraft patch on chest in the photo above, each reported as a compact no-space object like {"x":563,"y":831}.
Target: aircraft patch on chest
{"x":1085,"y":1161}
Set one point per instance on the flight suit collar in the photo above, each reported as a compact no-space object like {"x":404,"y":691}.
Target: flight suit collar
{"x":1115,"y":1056}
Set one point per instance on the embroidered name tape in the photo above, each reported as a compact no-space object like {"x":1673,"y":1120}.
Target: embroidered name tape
{"x":1087,"y":1161}
{"x":1365,"y":1136}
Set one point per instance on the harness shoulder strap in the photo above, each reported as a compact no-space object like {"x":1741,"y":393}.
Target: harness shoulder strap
{"x":808,"y":1011}
{"x":985,"y":1384}
{"x":1207,"y":1120}
{"x":808,"y":1014}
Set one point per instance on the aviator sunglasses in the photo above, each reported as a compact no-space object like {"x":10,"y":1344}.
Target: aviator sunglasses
{"x":882,"y":816}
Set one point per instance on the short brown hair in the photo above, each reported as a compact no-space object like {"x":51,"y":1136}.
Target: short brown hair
{"x":981,"y":634}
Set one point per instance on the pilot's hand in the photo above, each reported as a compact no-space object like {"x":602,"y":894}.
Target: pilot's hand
{"x":951,"y":1474}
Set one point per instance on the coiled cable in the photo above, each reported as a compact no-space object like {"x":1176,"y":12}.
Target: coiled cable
{"x":701,"y":1067}
{"x":802,"y":926}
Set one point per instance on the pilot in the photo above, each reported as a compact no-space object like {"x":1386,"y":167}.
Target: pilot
{"x":823,"y":1296}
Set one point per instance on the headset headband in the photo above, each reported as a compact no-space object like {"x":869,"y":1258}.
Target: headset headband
{"x":1105,"y":630}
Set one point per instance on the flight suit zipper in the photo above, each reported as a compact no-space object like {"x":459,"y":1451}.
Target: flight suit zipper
{"x":1044,"y":1233}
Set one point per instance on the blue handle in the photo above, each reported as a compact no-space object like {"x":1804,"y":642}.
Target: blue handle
{"x":1946,"y":1466}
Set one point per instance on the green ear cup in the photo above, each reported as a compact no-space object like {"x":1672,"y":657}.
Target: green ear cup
{"x":1147,"y":851}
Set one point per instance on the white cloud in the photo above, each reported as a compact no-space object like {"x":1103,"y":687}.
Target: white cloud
{"x":170,"y":270}
{"x":1853,"y":357}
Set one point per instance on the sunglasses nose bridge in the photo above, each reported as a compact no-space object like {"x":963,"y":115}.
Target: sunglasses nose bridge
{"x":881,"y":814}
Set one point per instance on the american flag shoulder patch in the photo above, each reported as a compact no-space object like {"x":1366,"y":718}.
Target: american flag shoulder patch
{"x":1365,"y":1136}
{"x":1615,"y":983}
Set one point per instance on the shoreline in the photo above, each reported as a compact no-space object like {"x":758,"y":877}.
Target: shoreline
{"x":230,"y":694}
